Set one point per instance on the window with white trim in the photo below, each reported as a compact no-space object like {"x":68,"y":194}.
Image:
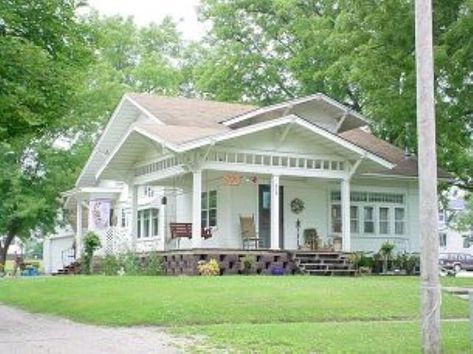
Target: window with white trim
{"x":148,"y":223}
{"x":354,"y":219}
{"x":371,"y":213}
{"x":443,"y":239}
{"x":124,"y":218}
{"x":399,"y":221}
{"x":384,"y":220}
{"x":336,"y":218}
{"x":209,"y":209}
{"x":368,"y":220}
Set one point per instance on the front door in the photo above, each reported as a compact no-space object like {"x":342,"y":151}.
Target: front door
{"x":264,"y":215}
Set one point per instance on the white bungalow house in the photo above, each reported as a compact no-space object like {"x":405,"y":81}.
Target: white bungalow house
{"x":164,"y":160}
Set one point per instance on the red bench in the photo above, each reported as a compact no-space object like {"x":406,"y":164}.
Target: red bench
{"x":184,"y":230}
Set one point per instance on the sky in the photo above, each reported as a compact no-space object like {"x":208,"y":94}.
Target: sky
{"x":146,"y":11}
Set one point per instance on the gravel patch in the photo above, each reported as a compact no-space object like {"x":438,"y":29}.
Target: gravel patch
{"x":23,"y":333}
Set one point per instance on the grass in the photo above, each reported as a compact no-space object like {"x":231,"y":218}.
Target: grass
{"x":293,"y":314}
{"x":343,"y":337}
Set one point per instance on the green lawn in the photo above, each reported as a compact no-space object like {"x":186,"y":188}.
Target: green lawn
{"x":293,"y":314}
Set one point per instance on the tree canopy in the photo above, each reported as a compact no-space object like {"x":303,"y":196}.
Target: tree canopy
{"x":360,"y":52}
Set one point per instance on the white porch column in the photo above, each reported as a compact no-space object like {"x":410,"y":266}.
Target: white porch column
{"x":274,"y":212}
{"x":162,"y":224}
{"x":196,"y":209}
{"x":133,"y":189}
{"x":345,"y":202}
{"x":78,"y":228}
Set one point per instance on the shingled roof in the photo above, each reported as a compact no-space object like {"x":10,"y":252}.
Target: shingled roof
{"x":188,"y":111}
{"x":405,"y":166}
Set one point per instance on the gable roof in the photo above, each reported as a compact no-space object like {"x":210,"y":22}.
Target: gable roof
{"x":354,"y":120}
{"x":183,"y":124}
{"x":404,"y":166}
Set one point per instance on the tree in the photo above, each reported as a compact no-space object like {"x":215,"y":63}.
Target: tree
{"x":360,"y":52}
{"x":42,"y":49}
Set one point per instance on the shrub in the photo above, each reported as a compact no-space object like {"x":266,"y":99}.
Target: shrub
{"x":152,"y":265}
{"x":91,"y":244}
{"x":248,"y":264}
{"x":110,"y":265}
{"x":208,"y":268}
{"x":131,"y":263}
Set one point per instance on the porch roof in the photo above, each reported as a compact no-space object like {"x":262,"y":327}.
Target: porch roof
{"x":183,"y":139}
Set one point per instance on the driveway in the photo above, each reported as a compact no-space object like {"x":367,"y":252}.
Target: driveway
{"x":23,"y":333}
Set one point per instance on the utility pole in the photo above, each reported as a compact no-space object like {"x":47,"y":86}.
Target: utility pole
{"x":428,"y":199}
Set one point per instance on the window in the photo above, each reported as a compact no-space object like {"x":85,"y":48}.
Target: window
{"x":399,"y":222}
{"x":371,"y":197}
{"x":145,"y":222}
{"x":336,"y":218}
{"x":467,"y":241}
{"x":154,"y":222}
{"x":138,"y":221}
{"x":148,"y":223}
{"x":148,"y":191}
{"x":368,"y":217}
{"x":354,"y":219}
{"x":383,"y":220}
{"x":443,"y":239}
{"x":209,"y":209}
{"x":123,"y":218}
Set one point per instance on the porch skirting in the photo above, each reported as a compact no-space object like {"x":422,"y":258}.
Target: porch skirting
{"x":267,"y":262}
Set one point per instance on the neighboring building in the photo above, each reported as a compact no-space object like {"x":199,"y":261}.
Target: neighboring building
{"x":16,"y":247}
{"x":163,"y":160}
{"x":451,"y":240}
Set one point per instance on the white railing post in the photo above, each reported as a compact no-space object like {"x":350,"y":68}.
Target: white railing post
{"x":275,"y":212}
{"x":162,"y":225}
{"x":345,"y":206}
{"x":134,"y":215}
{"x":78,"y":228}
{"x":196,"y":208}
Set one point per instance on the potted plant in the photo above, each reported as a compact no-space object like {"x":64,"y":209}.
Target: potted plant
{"x":311,"y":238}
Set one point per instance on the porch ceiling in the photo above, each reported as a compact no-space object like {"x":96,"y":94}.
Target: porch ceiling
{"x":130,"y":152}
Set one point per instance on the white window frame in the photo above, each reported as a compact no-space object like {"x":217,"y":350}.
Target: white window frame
{"x":442,"y":237}
{"x":362,"y":199}
{"x":372,"y":221}
{"x":402,"y":221}
{"x":386,"y":222}
{"x":206,"y":209}
{"x":145,"y":215}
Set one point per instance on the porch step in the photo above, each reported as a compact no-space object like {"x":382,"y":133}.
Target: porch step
{"x":73,"y":268}
{"x":323,"y":263}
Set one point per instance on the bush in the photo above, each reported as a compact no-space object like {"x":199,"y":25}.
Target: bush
{"x":91,"y":244}
{"x":131,"y":263}
{"x":208,"y":268}
{"x":152,"y":264}
{"x":110,"y":265}
{"x":248,"y":264}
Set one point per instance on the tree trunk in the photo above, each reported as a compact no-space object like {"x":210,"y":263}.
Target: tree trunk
{"x":4,"y":248}
{"x":428,"y":199}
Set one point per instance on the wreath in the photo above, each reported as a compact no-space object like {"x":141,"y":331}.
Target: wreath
{"x":297,"y":206}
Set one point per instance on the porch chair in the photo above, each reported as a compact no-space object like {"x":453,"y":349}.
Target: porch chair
{"x":248,"y":231}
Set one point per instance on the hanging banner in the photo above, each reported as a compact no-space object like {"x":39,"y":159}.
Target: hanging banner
{"x":99,"y":214}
